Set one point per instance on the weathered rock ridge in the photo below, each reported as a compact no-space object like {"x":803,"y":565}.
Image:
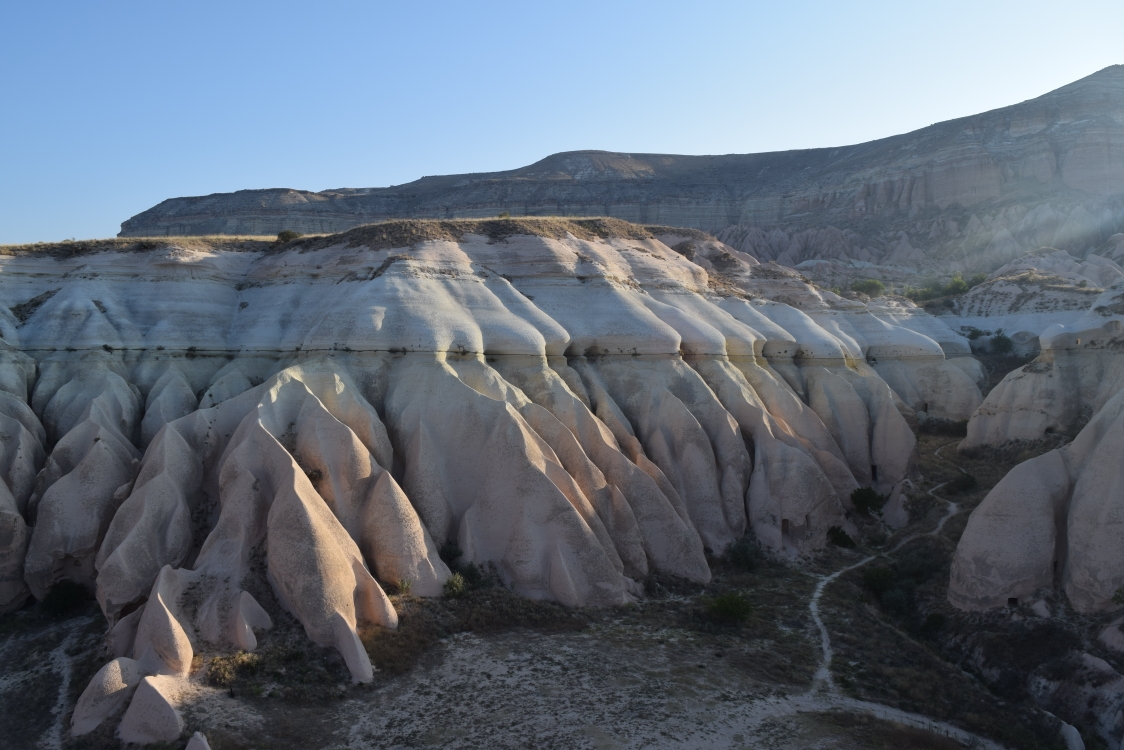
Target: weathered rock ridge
{"x":574,"y":404}
{"x":1055,"y":520}
{"x":967,"y":194}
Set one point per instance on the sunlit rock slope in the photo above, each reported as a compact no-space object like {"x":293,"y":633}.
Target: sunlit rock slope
{"x":576,"y":404}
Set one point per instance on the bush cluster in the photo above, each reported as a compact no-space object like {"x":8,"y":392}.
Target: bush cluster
{"x":467,"y":576}
{"x":869,"y":287}
{"x":867,"y":500}
{"x":1001,"y":343}
{"x":288,"y":235}
{"x":894,"y":584}
{"x":934,"y":289}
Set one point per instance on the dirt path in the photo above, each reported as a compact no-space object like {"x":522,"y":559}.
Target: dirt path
{"x":825,"y":695}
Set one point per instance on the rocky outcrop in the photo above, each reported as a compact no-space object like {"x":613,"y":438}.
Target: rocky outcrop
{"x":967,"y":194}
{"x":574,"y":404}
{"x":1053,"y":520}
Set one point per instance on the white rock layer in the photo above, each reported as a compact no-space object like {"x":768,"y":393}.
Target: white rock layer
{"x":575,"y":411}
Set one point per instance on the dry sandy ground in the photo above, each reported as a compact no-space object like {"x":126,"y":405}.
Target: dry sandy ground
{"x":616,"y":684}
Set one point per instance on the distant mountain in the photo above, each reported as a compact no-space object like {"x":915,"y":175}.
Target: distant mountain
{"x":966,"y":194}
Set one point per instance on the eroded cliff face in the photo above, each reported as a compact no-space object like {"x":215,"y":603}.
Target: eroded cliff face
{"x":574,"y":404}
{"x":967,"y":194}
{"x":1055,"y":520}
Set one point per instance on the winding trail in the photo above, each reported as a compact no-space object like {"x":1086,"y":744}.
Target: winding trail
{"x":825,"y":694}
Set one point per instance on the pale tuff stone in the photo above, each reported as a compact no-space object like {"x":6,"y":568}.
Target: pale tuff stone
{"x":573,"y":412}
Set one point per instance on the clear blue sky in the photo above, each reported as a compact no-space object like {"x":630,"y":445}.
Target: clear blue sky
{"x":107,"y":108}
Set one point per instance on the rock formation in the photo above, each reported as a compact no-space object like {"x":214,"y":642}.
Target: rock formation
{"x":576,"y":404}
{"x":969,"y":194}
{"x":1055,"y":519}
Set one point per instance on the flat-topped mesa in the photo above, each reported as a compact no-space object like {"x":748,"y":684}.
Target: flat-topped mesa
{"x":964,"y":195}
{"x":574,"y":403}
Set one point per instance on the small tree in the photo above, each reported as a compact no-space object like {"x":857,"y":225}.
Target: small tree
{"x":957,"y":285}
{"x":455,"y":586}
{"x":868,"y":500}
{"x":1001,"y":343}
{"x":288,"y":235}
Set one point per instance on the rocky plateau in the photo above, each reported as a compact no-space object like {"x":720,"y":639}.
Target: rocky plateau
{"x":964,"y":195}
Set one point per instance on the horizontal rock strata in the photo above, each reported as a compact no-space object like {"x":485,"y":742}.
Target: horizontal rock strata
{"x":968,"y":194}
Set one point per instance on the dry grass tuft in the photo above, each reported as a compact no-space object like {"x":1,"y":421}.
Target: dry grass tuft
{"x":77,"y":248}
{"x":409,"y":232}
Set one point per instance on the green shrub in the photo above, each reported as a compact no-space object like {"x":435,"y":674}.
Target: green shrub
{"x":868,"y":500}
{"x":504,"y":215}
{"x":455,"y":586}
{"x":473,"y":576}
{"x":894,"y":585}
{"x":732,"y":608}
{"x":288,"y":235}
{"x":470,"y":575}
{"x":934,"y":289}
{"x":1001,"y":343}
{"x":956,"y":285}
{"x":962,"y":483}
{"x":974,"y":333}
{"x":840,"y":538}
{"x":869,"y":287}
{"x":404,"y":586}
{"x":742,"y":554}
